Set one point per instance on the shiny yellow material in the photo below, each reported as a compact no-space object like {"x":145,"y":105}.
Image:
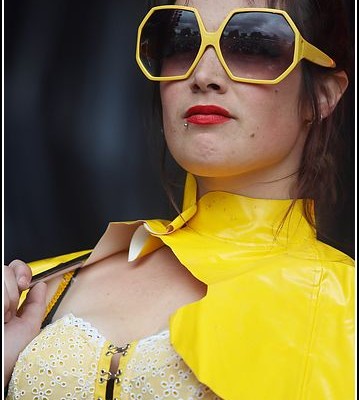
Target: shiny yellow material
{"x":40,"y":266}
{"x":277,"y":320}
{"x":303,"y":49}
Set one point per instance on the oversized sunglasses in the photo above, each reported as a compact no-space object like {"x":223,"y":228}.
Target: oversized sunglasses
{"x":254,"y":45}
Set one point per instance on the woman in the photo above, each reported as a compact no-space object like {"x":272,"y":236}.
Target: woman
{"x":235,"y":298}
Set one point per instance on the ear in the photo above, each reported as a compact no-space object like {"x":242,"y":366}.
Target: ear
{"x":331,"y":89}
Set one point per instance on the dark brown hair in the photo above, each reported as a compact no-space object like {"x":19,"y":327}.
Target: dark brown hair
{"x":323,"y":23}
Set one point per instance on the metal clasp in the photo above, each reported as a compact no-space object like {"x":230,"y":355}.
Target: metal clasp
{"x":112,"y":350}
{"x":107,"y":376}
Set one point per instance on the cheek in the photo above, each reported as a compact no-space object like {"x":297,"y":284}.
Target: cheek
{"x":170,"y":94}
{"x":273,"y":106}
{"x":280,"y":101}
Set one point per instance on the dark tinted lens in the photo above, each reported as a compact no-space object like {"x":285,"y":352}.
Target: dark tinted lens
{"x":169,"y":42}
{"x":258,"y":45}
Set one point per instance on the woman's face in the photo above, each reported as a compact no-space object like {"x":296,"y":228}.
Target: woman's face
{"x":258,"y":149}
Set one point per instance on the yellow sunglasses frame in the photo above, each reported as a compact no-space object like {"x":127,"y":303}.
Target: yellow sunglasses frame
{"x":302,"y":48}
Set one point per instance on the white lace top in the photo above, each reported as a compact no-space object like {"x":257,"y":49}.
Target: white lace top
{"x":70,"y":359}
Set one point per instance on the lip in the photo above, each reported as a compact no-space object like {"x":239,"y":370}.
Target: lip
{"x":207,"y":115}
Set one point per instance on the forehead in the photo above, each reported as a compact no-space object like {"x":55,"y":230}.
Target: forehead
{"x":213,"y":11}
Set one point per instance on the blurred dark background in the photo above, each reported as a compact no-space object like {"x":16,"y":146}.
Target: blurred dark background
{"x":77,"y":151}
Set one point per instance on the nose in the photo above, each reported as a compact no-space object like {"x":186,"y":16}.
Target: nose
{"x":209,"y":74}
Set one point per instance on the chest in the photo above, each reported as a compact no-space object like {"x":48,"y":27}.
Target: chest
{"x":127,"y":301}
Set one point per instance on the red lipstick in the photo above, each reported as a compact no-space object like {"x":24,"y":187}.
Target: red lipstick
{"x":207,"y":115}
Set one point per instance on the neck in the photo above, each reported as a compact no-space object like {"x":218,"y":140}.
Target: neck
{"x":259,"y":186}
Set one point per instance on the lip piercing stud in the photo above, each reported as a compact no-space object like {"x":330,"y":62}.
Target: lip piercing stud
{"x":186,"y":125}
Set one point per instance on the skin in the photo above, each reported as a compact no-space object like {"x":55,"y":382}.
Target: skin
{"x":256,"y":154}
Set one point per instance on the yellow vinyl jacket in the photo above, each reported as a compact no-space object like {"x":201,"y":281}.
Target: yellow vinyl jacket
{"x":277,"y":320}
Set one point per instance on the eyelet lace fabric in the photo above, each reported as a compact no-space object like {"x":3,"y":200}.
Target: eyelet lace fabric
{"x":62,"y":363}
{"x":156,"y":371}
